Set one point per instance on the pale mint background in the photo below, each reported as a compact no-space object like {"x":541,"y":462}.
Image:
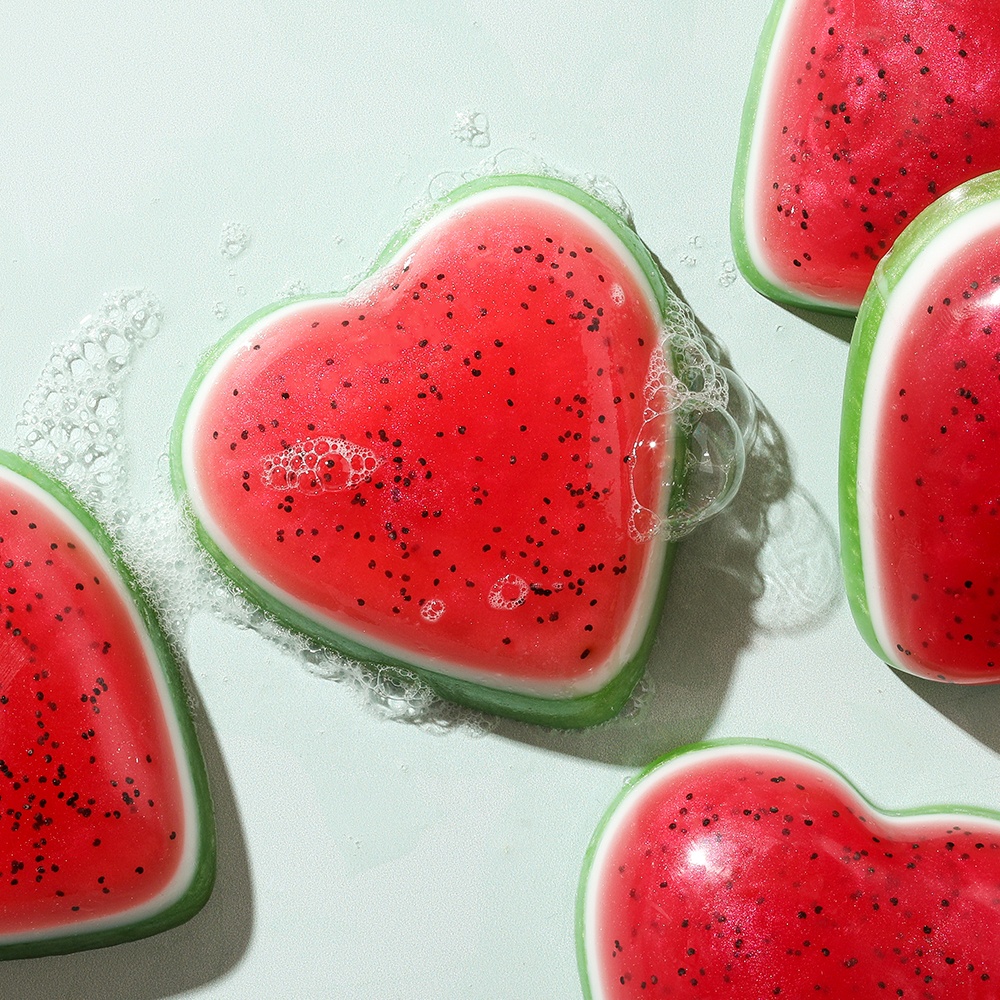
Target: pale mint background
{"x":362,"y":858}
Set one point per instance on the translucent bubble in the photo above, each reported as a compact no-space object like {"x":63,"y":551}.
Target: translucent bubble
{"x":234,"y":240}
{"x":292,"y":289}
{"x":432,"y":610}
{"x":508,"y":592}
{"x":70,"y":422}
{"x":472,"y":128}
{"x":316,"y":465}
{"x":686,"y":382}
{"x":603,"y":189}
{"x":728,"y":275}
{"x":219,"y":309}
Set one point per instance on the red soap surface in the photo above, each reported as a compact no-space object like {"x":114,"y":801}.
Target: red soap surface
{"x":935,"y":512}
{"x":872,"y":111}
{"x":745,"y":872}
{"x":444,"y":462}
{"x":92,"y":820}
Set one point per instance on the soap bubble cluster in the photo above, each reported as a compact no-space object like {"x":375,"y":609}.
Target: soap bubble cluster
{"x":292,"y":289}
{"x":516,"y":161}
{"x":508,"y":592}
{"x":728,"y":275}
{"x":71,"y":424}
{"x":312,"y":466}
{"x":234,"y":240}
{"x":432,"y":610}
{"x":686,"y":382}
{"x":472,"y":128}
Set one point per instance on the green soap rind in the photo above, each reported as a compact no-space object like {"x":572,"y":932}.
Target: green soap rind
{"x":917,"y":812}
{"x":572,"y":712}
{"x":203,"y":876}
{"x":914,"y":239}
{"x":737,"y":213}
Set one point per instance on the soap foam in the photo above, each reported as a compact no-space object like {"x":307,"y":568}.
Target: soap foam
{"x":472,"y":128}
{"x":685,"y":382}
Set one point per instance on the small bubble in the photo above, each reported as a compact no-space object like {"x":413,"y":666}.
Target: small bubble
{"x":688,"y":261}
{"x":728,"y":274}
{"x":234,"y":240}
{"x":508,"y":592}
{"x":70,"y":422}
{"x":219,"y":309}
{"x":472,"y":128}
{"x":241,"y":289}
{"x":604,"y":189}
{"x":695,"y":241}
{"x":292,"y":289}
{"x":432,"y":609}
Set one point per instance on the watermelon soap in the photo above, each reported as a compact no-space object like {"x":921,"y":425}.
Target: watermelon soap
{"x":106,"y":830}
{"x":466,"y":465}
{"x":754,"y":870}
{"x":919,"y":478}
{"x":858,"y":116}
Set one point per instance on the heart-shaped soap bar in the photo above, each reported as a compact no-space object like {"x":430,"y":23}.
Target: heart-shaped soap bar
{"x":859,"y":115}
{"x":461,"y":465}
{"x":755,"y":871}
{"x":106,"y":829}
{"x":920,"y":481}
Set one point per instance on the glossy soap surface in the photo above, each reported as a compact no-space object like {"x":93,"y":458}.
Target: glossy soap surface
{"x":97,"y":824}
{"x":934,"y":546}
{"x":866,"y":113}
{"x":462,"y":463}
{"x":755,"y":871}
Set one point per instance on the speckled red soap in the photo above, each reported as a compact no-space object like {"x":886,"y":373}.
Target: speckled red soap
{"x":920,"y":484}
{"x":756,"y":871}
{"x":859,"y":115}
{"x":105,"y":824}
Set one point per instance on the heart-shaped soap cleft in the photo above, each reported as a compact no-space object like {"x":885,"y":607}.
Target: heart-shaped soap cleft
{"x":106,"y":830}
{"x":919,"y":478}
{"x":473,"y":463}
{"x":858,"y":116}
{"x":754,"y":870}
